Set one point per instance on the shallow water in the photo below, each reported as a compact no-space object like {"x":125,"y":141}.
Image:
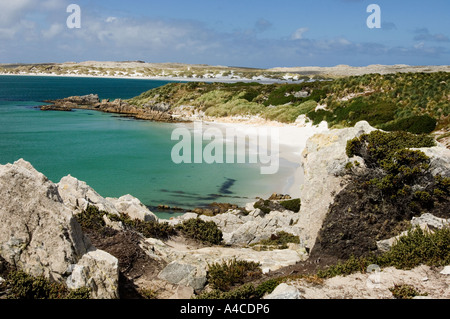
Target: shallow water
{"x":113,"y":154}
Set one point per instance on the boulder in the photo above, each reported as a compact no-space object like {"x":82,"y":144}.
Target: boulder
{"x":39,"y":234}
{"x":445,"y":271}
{"x":284,"y":291}
{"x":77,"y":195}
{"x":439,"y":159}
{"x":184,"y":274}
{"x":132,"y":207}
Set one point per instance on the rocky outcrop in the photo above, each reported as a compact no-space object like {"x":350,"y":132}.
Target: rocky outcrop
{"x":439,"y":159}
{"x":324,"y":162}
{"x":77,"y":195}
{"x":39,"y":234}
{"x":159,"y":113}
{"x":245,"y":229}
{"x":188,"y":267}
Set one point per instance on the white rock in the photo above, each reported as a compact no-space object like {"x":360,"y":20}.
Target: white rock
{"x":132,"y":207}
{"x":99,"y":271}
{"x":445,"y":271}
{"x":39,"y":234}
{"x":284,"y":291}
{"x":78,"y":195}
{"x":324,"y":160}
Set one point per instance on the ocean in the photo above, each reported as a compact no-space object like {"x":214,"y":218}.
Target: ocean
{"x":114,"y":155}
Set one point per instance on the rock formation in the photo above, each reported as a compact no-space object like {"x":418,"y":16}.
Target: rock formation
{"x":324,"y":161}
{"x":77,"y":195}
{"x":39,"y":234}
{"x":159,"y":113}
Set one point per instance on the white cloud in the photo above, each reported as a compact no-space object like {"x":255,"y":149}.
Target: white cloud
{"x":298,"y":34}
{"x":54,"y":30}
{"x":11,"y":11}
{"x":110,"y":19}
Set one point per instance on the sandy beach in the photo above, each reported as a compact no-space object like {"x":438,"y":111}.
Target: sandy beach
{"x":291,"y":140}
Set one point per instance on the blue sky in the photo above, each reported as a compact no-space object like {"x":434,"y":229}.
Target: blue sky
{"x":227,"y":32}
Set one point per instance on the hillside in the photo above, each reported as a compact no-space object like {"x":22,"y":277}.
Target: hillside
{"x":414,"y":102}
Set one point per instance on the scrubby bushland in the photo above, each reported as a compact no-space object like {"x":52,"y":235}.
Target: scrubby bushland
{"x":245,"y":292}
{"x":379,"y":202}
{"x":405,"y":292}
{"x":292,"y":204}
{"x":267,"y":205}
{"x":223,"y":276}
{"x":414,"y":102}
{"x":20,"y":285}
{"x":93,"y":219}
{"x":277,"y":241}
{"x":198,"y":229}
{"x":416,"y":248}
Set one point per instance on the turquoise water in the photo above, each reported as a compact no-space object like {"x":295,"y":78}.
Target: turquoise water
{"x":112,"y":154}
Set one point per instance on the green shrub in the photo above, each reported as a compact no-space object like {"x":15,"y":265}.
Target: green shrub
{"x":246,"y":291}
{"x":280,"y":240}
{"x":24,"y":286}
{"x":405,"y":292}
{"x":419,"y":247}
{"x":423,"y":124}
{"x":91,"y":218}
{"x":378,"y":145}
{"x":223,"y":276}
{"x":416,"y":248}
{"x":345,"y":268}
{"x":292,"y":204}
{"x":263,"y":206}
{"x":198,"y":229}
{"x":149,"y":229}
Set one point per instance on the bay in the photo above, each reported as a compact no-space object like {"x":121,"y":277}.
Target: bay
{"x":114,"y":155}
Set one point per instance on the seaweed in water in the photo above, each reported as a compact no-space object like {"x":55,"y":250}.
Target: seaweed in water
{"x":225,"y":188}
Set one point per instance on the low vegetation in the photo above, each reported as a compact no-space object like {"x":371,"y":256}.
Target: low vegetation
{"x":416,"y":248}
{"x":277,"y":241}
{"x":223,"y":276}
{"x":405,"y":292}
{"x":236,"y":279}
{"x":413,"y":102}
{"x":198,"y":229}
{"x":94,"y":219}
{"x":20,"y":285}
{"x":207,"y":232}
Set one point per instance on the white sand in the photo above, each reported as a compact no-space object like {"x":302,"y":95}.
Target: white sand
{"x":291,"y":143}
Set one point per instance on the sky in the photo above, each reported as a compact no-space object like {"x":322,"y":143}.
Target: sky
{"x":247,"y":33}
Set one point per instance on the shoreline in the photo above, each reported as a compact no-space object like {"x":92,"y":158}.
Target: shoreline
{"x":292,"y":142}
{"x":161,"y":78}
